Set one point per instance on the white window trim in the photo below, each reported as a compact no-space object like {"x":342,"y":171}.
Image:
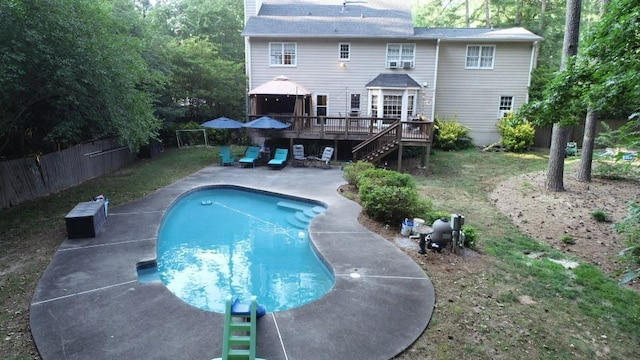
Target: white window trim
{"x":282,"y":44}
{"x":400,"y":61}
{"x":503,"y":113}
{"x":493,"y":57}
{"x":315,"y":103}
{"x":340,"y":52}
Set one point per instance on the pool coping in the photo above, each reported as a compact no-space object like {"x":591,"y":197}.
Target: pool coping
{"x":89,"y":303}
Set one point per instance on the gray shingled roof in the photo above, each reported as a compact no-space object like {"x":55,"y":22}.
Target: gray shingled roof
{"x":393,"y":81}
{"x":360,"y":19}
{"x":328,"y":18}
{"x":509,"y":34}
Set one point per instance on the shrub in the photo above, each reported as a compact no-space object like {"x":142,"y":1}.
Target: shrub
{"x":470,"y":236}
{"x":389,"y":197}
{"x":353,"y":171}
{"x":431,"y":216}
{"x":568,"y":239}
{"x":517,"y":134}
{"x":600,"y":216}
{"x":630,"y":229}
{"x":451,"y":135}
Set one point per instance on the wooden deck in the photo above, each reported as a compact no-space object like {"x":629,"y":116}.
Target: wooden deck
{"x":377,"y":137}
{"x":415,"y":132}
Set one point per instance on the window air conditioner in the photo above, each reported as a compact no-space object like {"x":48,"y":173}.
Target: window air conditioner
{"x":393,"y":64}
{"x":407,"y":64}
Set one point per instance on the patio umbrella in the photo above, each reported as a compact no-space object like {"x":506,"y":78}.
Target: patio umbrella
{"x":265,"y":125}
{"x":265,"y":122}
{"x":222,"y":123}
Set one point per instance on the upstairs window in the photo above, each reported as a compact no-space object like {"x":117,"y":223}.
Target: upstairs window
{"x":480,"y":56}
{"x":344,"y":51}
{"x":282,"y":54}
{"x":400,"y":55}
{"x":505,"y":107}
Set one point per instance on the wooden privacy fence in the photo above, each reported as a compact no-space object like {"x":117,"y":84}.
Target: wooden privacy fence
{"x":29,"y":178}
{"x":543,"y":134}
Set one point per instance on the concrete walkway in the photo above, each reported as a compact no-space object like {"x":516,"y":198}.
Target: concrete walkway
{"x":89,"y":304}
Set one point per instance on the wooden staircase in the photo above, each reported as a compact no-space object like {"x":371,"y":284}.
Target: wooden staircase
{"x":394,"y":137}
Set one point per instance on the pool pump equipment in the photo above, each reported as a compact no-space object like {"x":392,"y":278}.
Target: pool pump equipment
{"x":446,"y":232}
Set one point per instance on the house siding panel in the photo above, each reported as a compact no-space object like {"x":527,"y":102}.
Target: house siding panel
{"x":472,"y":96}
{"x":368,"y":60}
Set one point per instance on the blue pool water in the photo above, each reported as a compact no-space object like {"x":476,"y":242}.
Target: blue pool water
{"x":218,"y":242}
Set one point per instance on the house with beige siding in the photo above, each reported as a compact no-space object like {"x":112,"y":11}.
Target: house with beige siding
{"x":354,"y":69}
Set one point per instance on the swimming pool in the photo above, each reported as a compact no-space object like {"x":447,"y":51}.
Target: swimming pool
{"x":220,"y":241}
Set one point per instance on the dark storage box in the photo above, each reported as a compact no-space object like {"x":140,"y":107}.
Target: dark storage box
{"x":85,"y":219}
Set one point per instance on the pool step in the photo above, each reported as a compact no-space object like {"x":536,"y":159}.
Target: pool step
{"x":303,"y":217}
{"x":293,"y":221}
{"x":293,"y":206}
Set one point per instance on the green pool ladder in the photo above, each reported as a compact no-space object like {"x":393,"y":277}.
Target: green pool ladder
{"x":239,"y":341}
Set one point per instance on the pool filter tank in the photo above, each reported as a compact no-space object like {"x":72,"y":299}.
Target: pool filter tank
{"x":445,"y":232}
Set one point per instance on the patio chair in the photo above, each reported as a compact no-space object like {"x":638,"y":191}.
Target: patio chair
{"x":279,"y":159}
{"x":323,"y":161}
{"x":298,"y":156}
{"x":250,"y":156}
{"x":225,"y":156}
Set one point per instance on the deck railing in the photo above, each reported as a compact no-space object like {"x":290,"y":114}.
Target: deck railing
{"x":351,"y":127}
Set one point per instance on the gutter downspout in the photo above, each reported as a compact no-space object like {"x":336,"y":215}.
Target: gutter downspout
{"x":247,"y":71}
{"x":534,"y":50}
{"x":435,"y":82}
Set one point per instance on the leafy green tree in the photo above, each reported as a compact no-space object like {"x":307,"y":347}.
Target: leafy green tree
{"x":202,"y":53}
{"x":202,"y":82}
{"x":72,"y":71}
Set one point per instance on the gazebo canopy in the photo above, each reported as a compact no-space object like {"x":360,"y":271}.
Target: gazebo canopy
{"x":280,"y":85}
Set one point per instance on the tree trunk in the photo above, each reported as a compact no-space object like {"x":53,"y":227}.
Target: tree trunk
{"x":543,"y":12}
{"x":586,"y":154}
{"x":555,"y":172}
{"x":588,"y":139}
{"x":487,"y":13}
{"x":466,"y":9}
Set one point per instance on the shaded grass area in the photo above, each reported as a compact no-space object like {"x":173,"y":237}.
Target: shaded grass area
{"x":510,"y":305}
{"x":31,"y":232}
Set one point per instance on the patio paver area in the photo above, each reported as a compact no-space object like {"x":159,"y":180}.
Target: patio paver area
{"x":89,"y":304}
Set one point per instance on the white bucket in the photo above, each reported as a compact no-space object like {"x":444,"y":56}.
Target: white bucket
{"x":407,"y":226}
{"x":417,"y":222}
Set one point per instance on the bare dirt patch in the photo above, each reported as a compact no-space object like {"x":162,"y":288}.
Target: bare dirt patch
{"x":554,"y":216}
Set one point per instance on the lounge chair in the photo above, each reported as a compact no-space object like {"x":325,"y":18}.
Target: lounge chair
{"x":279,"y":159}
{"x":225,"y":156}
{"x":323,"y":161}
{"x":250,"y":156}
{"x":298,"y":156}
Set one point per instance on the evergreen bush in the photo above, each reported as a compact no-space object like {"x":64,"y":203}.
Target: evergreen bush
{"x":517,"y":134}
{"x":353,"y":171}
{"x":389,"y":197}
{"x":451,"y":135}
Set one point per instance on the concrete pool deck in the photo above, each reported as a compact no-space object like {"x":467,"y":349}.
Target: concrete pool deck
{"x":89,"y":304}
